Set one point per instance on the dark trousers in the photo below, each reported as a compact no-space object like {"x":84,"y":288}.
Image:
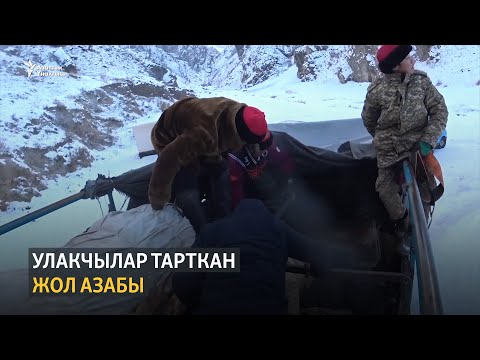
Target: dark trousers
{"x":192,"y":185}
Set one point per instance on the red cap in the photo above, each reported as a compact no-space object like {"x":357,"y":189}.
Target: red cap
{"x":389,"y":56}
{"x":255,"y":120}
{"x":384,"y":51}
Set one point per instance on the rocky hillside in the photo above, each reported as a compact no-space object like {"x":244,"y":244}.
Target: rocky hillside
{"x":52,"y":125}
{"x":248,"y":65}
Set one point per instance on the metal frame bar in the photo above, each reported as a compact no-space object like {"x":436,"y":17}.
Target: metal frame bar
{"x":87,"y":192}
{"x":41,"y":212}
{"x":429,"y":293}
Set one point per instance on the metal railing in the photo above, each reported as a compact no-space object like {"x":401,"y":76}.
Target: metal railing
{"x":429,"y":292}
{"x":41,"y":212}
{"x":89,"y":191}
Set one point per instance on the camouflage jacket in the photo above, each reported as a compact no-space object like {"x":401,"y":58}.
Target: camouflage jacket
{"x":399,"y":114}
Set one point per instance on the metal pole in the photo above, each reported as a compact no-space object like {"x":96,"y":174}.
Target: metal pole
{"x":111,"y":205}
{"x":430,"y":301}
{"x":41,"y":212}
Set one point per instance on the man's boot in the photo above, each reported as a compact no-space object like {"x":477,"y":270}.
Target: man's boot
{"x":397,"y":227}
{"x":401,"y":230}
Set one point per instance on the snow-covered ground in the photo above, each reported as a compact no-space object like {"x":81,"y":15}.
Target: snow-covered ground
{"x":456,"y":220}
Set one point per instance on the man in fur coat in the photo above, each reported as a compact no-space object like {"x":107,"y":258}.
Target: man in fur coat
{"x":197,"y":131}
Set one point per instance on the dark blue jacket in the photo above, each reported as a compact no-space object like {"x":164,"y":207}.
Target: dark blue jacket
{"x":259,"y":287}
{"x":265,"y":243}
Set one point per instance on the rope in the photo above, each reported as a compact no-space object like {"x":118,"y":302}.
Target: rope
{"x":431,"y":216}
{"x":423,"y":165}
{"x":415,"y":164}
{"x":100,"y":205}
{"x":126,"y":198}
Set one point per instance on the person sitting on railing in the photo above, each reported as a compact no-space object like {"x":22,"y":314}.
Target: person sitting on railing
{"x":404,"y":112}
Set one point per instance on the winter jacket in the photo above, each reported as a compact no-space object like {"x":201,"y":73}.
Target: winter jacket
{"x":259,"y":287}
{"x":261,"y":178}
{"x":265,"y":243}
{"x":399,"y":114}
{"x":191,"y":130}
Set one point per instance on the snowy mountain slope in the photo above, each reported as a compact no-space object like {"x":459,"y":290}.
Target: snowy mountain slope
{"x":53,"y":125}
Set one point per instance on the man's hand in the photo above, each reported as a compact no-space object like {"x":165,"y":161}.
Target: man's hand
{"x":157,"y":206}
{"x":158,"y":199}
{"x":424,"y":148}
